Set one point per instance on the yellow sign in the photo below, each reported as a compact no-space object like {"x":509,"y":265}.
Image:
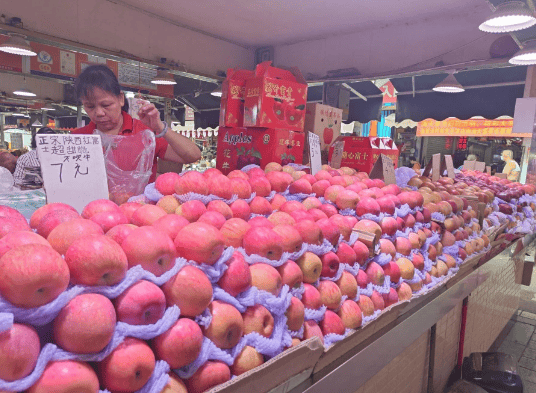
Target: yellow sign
{"x":473,"y":127}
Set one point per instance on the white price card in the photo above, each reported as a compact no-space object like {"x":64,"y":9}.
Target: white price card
{"x":314,"y":153}
{"x":73,"y":169}
{"x":336,"y":157}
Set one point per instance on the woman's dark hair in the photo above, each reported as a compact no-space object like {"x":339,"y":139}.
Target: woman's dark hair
{"x":43,"y":130}
{"x":412,"y":158}
{"x":98,"y":76}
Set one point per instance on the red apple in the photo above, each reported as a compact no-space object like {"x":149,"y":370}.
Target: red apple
{"x":220,"y":207}
{"x":19,"y":350}
{"x":330,"y":294}
{"x":350,"y":314}
{"x":311,"y":266}
{"x":19,"y":238}
{"x":165,"y":183}
{"x":226,"y":327}
{"x":65,"y":377}
{"x":191,"y":181}
{"x":291,"y":274}
{"x":311,"y":297}
{"x":260,"y":185}
{"x":233,"y":232}
{"x":120,"y":232}
{"x":67,"y":232}
{"x":266,"y":278}
{"x":191,"y":210}
{"x":291,"y":238}
{"x":143,"y":303}
{"x":311,"y":329}
{"x":332,"y":324}
{"x":210,"y":374}
{"x":180,"y":345}
{"x":43,"y":211}
{"x":52,"y":219}
{"x":190,"y":289}
{"x":151,"y":248}
{"x":393,"y":271}
{"x":295,"y":314}
{"x":264,"y":242}
{"x":241,"y":209}
{"x":99,"y":206}
{"x":237,"y":277}
{"x":258,"y":319}
{"x":330,"y":264}
{"x":248,"y":358}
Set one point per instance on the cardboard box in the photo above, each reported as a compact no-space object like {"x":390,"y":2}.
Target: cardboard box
{"x":361,"y":153}
{"x":325,"y":121}
{"x":232,"y":97}
{"x":238,"y":147}
{"x":275,"y":98}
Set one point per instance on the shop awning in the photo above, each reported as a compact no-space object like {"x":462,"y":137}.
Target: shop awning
{"x":489,"y":93}
{"x":360,"y":110}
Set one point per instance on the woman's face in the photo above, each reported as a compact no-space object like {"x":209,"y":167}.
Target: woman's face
{"x":104,"y":109}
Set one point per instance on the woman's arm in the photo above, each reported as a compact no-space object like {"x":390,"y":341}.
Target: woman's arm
{"x":180,"y":149}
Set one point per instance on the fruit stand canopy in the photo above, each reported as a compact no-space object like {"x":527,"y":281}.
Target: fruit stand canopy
{"x":489,"y":93}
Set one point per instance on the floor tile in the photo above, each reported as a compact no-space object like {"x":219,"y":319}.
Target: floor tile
{"x":529,"y":386}
{"x":532,"y":344}
{"x":530,"y":353}
{"x":527,"y":363}
{"x":520,"y":333}
{"x":527,"y":314}
{"x":525,"y":320}
{"x":527,"y":375}
{"x":512,"y":348}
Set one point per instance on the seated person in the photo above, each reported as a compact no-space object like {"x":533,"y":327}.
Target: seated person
{"x":511,"y":167}
{"x":28,"y":170}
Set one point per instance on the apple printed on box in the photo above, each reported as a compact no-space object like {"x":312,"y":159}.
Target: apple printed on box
{"x":240,"y":147}
{"x":232,"y":98}
{"x":275,"y":98}
{"x":324,"y":121}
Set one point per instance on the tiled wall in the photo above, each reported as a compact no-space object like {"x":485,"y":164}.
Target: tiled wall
{"x":446,"y":350}
{"x":491,"y":306}
{"x":407,"y":373}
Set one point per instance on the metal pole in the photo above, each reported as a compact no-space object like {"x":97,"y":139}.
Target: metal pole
{"x":2,"y":120}
{"x":44,"y":118}
{"x":79,"y":116}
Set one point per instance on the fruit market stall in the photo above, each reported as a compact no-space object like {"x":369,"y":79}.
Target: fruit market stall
{"x":220,"y":281}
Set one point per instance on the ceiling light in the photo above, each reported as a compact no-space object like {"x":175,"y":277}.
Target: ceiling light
{"x":217,"y":91}
{"x":18,"y":114}
{"x":449,"y":85}
{"x":47,"y":108}
{"x":129,"y":94}
{"x":24,"y":93}
{"x":525,"y":56}
{"x":163,"y":78}
{"x":509,"y":16}
{"x":17,"y":45}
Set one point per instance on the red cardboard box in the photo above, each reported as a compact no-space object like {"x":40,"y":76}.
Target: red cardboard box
{"x":361,"y":153}
{"x":238,"y":147}
{"x":325,"y":121}
{"x":232,"y":97}
{"x":275,"y":98}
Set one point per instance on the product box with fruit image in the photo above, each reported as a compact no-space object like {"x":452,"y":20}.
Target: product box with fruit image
{"x":232,"y":97}
{"x":275,"y":98}
{"x":361,"y":153}
{"x":324,"y":121}
{"x":238,"y":147}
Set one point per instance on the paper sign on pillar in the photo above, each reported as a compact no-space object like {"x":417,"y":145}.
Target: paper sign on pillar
{"x":73,"y":169}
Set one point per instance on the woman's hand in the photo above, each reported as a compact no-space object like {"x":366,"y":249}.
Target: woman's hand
{"x":150,"y":116}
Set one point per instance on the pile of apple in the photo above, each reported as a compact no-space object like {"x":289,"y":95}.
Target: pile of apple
{"x":256,"y":261}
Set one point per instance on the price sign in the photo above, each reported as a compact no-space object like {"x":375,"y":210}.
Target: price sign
{"x":469,"y":165}
{"x":314,"y":153}
{"x":336,"y":157}
{"x":384,"y":169}
{"x":449,"y":166}
{"x":488,"y":169}
{"x":73,"y":169}
{"x":480,"y":166}
{"x":16,"y":141}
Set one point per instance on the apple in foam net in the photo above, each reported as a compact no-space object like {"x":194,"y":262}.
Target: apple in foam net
{"x":200,"y":242}
{"x":67,"y":232}
{"x":128,"y":209}
{"x":66,"y":376}
{"x":174,"y":384}
{"x":310,"y":232}
{"x":348,"y":285}
{"x":330,"y":231}
{"x":332,"y":324}
{"x":311,"y":203}
{"x":8,"y":225}
{"x":393,"y":271}
{"x":180,"y":345}
{"x":32,"y":275}
{"x":367,"y":206}
{"x":311,"y":297}
{"x":332,"y":192}
{"x":120,"y":232}
{"x":291,"y":274}
{"x":99,"y":206}
{"x":212,"y":218}
{"x":43,"y":211}
{"x":258,"y":319}
{"x":210,"y":374}
{"x":362,"y":252}
{"x":377,"y":300}
{"x":403,"y":246}
{"x":241,"y":187}
{"x":320,"y":187}
{"x":344,"y":225}
{"x":330,"y":264}
{"x":52,"y":220}
{"x":346,"y":254}
{"x":295,"y":314}
{"x":375,"y":273}
{"x":19,"y":350}
{"x":211,"y":172}
{"x":279,"y":181}
{"x":311,"y":329}
{"x":220,"y":207}
{"x":264,"y":242}
{"x":277,"y":201}
{"x":237,"y":277}
{"x":241,"y":209}
{"x":311,"y":266}
{"x":227,"y":325}
{"x":350,"y":314}
{"x":190,"y":289}
{"x":389,"y":226}
{"x":165,"y":183}
{"x":191,"y":181}
{"x":290,"y":206}
{"x":330,"y":294}
{"x":260,"y":221}
{"x":170,"y":224}
{"x":266,"y":278}
{"x":96,"y":260}
{"x":260,"y":205}
{"x":260,"y":185}
{"x":86,"y":324}
{"x":151,"y":248}
{"x":108,"y":220}
{"x":128,"y":367}
{"x":366,"y":305}
{"x":301,"y":186}
{"x":387,"y":247}
{"x":147,"y":215}
{"x":300,"y":215}
{"x":191,"y":210}
{"x":291,"y":240}
{"x":19,"y":238}
{"x":317,"y":214}
{"x":247,"y":359}
{"x":281,"y":218}
{"x":329,"y":210}
{"x":143,"y":303}
{"x":256,"y":172}
{"x":233,"y":232}
{"x":370,"y":227}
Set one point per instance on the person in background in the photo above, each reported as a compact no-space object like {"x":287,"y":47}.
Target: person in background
{"x":470,"y":157}
{"x":30,"y":160}
{"x":99,"y":91}
{"x":415,"y":164}
{"x":511,"y":167}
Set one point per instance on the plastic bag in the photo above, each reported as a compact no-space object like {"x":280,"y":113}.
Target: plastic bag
{"x":129,"y":162}
{"x":6,"y":180}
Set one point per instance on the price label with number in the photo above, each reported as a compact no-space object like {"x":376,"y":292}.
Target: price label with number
{"x":73,"y":169}
{"x":314,"y":153}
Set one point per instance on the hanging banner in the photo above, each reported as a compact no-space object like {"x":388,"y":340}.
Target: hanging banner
{"x":473,"y":127}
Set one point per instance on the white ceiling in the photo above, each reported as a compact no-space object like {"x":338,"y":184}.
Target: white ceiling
{"x":272,"y":22}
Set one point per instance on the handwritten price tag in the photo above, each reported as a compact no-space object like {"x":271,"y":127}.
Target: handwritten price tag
{"x":314,"y":153}
{"x":336,"y":158}
{"x":73,"y":169}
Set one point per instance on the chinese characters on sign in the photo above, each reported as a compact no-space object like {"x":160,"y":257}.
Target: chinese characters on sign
{"x":314,"y":153}
{"x":474,"y":127}
{"x":73,"y":168}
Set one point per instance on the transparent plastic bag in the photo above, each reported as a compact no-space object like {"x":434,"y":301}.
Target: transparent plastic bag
{"x":6,"y":180}
{"x":129,"y":162}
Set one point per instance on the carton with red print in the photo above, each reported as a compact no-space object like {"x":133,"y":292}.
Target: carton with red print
{"x":232,"y":97}
{"x":275,"y":98}
{"x":324,"y":121}
{"x":238,"y":147}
